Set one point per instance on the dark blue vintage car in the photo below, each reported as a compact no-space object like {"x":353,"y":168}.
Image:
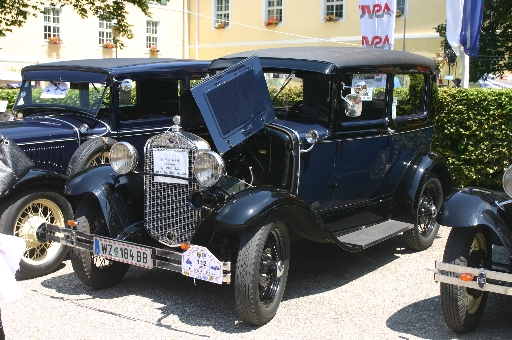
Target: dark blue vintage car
{"x":325,"y":143}
{"x":73,"y":112}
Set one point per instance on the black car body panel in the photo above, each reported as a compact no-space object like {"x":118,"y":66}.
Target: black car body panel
{"x":470,"y":207}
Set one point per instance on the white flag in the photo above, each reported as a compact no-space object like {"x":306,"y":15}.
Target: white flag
{"x":377,"y":23}
{"x":454,"y":10}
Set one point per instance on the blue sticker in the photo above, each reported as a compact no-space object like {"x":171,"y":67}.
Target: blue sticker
{"x":97,"y":247}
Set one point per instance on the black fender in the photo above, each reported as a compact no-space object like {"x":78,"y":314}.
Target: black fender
{"x":121,"y":197}
{"x":406,"y":196}
{"x":38,"y":178}
{"x":476,"y":207}
{"x":249,"y":207}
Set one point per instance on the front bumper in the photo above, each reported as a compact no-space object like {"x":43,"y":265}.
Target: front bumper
{"x":160,"y":258}
{"x":484,"y":279}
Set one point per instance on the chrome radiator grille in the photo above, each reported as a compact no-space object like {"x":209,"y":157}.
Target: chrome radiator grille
{"x":167,"y":215}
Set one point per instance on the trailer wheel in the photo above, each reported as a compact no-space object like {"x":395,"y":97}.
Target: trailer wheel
{"x":261,"y":271}
{"x":24,"y":212}
{"x":424,"y":232}
{"x":92,"y":152}
{"x":463,"y":307}
{"x":94,"y":271}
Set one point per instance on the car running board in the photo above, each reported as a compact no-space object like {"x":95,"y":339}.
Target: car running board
{"x":368,"y":236}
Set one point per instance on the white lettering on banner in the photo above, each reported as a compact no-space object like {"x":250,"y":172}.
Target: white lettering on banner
{"x":377,"y":19}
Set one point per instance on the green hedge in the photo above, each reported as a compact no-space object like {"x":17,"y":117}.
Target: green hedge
{"x":9,"y":95}
{"x":473,"y":131}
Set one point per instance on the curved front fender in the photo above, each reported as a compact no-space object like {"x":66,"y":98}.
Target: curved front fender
{"x":471,"y":207}
{"x":251,"y":206}
{"x":36,"y":177}
{"x":122,"y":201}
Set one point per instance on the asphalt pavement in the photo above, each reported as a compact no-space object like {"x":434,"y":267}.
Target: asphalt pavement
{"x":384,"y":292}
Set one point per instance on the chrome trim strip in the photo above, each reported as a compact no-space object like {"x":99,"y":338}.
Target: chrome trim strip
{"x":47,"y":141}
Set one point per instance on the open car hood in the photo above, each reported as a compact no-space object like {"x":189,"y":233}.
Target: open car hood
{"x":235,"y":103}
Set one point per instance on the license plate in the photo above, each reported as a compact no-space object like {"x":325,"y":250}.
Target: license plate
{"x":123,"y":252}
{"x":198,"y":262}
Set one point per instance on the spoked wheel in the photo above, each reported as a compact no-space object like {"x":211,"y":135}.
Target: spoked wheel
{"x":422,"y":235}
{"x":24,"y":213}
{"x":94,"y":271}
{"x":261,"y":272}
{"x":463,"y":307}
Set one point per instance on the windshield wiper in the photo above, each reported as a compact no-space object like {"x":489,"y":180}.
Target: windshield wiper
{"x":286,"y":81}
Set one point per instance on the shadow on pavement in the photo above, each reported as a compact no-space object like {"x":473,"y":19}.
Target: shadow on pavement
{"x":314,"y":268}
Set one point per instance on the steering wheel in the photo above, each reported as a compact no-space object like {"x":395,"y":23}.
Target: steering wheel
{"x":324,"y":112}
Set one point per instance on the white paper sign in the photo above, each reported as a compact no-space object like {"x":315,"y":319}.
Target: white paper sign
{"x":170,"y":162}
{"x":55,"y":90}
{"x":363,"y":85}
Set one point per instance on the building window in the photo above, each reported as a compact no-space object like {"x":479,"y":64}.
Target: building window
{"x":105,"y":32}
{"x":152,"y":33}
{"x":335,"y":7}
{"x":400,"y":6}
{"x":275,"y":9}
{"x":51,"y":22}
{"x":222,"y":12}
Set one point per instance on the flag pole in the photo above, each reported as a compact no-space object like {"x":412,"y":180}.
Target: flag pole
{"x":465,"y":71}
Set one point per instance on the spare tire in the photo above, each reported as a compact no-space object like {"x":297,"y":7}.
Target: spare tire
{"x":93,"y":152}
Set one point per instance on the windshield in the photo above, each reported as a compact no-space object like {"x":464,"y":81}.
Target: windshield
{"x":303,"y":94}
{"x":82,"y":96}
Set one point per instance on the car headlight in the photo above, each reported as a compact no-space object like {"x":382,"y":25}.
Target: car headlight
{"x":208,"y":168}
{"x":123,"y":157}
{"x":507,"y":181}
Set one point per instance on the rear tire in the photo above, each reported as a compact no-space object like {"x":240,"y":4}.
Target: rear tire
{"x":92,"y":152}
{"x":261,"y":271}
{"x":24,"y":212}
{"x":94,"y":271}
{"x":425,"y":230}
{"x":463,"y":307}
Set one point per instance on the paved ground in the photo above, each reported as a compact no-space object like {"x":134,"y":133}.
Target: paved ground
{"x":385,"y":292}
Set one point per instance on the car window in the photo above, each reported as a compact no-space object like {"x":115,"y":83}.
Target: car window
{"x":84,"y":96}
{"x":364,"y":96}
{"x":300,"y":94}
{"x":408,"y":95}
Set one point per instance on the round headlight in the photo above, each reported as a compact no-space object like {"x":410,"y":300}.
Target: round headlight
{"x":123,"y":157}
{"x":208,"y":168}
{"x":507,"y":181}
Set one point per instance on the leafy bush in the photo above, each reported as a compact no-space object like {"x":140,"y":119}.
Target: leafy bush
{"x":474,"y":133}
{"x":10,"y":95}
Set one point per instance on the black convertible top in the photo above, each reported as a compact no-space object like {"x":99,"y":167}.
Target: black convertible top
{"x":326,"y":59}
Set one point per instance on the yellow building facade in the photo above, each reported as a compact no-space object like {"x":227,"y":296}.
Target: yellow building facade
{"x":207,"y":29}
{"x":85,"y":38}
{"x":303,"y":23}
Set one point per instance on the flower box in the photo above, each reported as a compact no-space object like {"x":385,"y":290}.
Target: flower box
{"x":331,"y":18}
{"x":220,"y":25}
{"x":271,"y":22}
{"x":109,"y":45}
{"x":55,"y":40}
{"x":153,"y":50}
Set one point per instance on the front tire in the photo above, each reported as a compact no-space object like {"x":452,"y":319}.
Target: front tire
{"x":463,"y":307}
{"x":425,"y":230}
{"x":92,"y":152}
{"x":24,"y":213}
{"x":94,"y":271}
{"x":261,"y":271}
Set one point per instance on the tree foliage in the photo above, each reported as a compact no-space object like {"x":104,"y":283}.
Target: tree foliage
{"x":14,"y":13}
{"x":495,"y":51}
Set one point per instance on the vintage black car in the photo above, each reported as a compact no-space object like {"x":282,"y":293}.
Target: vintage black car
{"x":73,"y":112}
{"x":470,"y":268}
{"x":341,"y":153}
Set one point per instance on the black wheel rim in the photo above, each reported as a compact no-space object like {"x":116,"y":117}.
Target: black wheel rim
{"x":427,"y":209}
{"x":271,"y":267}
